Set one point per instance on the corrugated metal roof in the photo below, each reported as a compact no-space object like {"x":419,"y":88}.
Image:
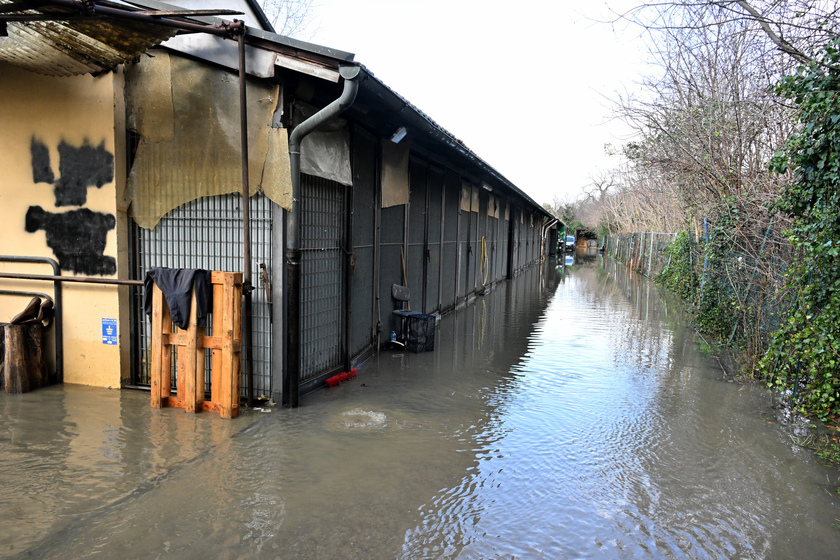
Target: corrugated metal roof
{"x":80,"y":46}
{"x":75,"y":46}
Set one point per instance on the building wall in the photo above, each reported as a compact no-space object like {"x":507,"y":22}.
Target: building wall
{"x":451,"y":239}
{"x":58,"y":200}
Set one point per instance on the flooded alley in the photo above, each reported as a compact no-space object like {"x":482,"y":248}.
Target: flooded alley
{"x":569,"y":413}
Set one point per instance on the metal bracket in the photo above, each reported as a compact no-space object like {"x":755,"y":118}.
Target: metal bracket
{"x":267,"y":284}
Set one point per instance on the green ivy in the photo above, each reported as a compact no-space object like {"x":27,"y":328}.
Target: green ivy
{"x":803,"y":355}
{"x":714,"y":311}
{"x":678,"y":276}
{"x":685,"y":276}
{"x":716,"y":304}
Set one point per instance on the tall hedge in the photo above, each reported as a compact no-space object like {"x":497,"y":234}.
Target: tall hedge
{"x":804,"y":355}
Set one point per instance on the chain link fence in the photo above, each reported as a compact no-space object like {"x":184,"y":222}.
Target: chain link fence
{"x":643,"y":252}
{"x":734,"y":277}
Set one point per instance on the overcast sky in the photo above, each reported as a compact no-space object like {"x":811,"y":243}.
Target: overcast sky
{"x":522,"y":83}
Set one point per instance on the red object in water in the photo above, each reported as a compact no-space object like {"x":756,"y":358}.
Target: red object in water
{"x":341,"y":378}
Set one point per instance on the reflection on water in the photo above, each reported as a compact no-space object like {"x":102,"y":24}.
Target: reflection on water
{"x":566,"y":414}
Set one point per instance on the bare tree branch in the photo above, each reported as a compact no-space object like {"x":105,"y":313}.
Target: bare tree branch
{"x":292,"y":18}
{"x":765,"y":25}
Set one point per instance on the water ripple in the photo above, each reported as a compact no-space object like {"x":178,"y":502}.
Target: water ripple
{"x":558,"y":417}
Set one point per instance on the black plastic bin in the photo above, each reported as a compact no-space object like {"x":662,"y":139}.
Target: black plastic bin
{"x":421,"y":332}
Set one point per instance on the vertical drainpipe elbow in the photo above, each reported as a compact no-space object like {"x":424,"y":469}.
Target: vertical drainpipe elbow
{"x":545,"y":229}
{"x":292,"y":288}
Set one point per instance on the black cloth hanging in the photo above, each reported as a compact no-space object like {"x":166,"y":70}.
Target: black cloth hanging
{"x":177,"y":285}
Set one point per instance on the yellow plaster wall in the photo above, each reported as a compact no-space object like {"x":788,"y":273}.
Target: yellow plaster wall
{"x":74,"y":110}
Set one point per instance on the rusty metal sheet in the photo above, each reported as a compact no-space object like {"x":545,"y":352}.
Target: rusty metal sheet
{"x":73,"y":47}
{"x":277,"y":174}
{"x":203,"y":157}
{"x":149,"y":99}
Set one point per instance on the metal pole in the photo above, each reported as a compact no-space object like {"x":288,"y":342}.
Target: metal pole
{"x":247,"y":287}
{"x":349,"y":270}
{"x":56,"y":278}
{"x":99,"y":10}
{"x":75,"y":279}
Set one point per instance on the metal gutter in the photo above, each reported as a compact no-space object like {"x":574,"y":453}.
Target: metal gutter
{"x":545,"y":228}
{"x":292,"y":252}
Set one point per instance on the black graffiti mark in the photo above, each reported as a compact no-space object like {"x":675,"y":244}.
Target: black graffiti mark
{"x":81,"y":168}
{"x":41,"y":169}
{"x":77,"y":238}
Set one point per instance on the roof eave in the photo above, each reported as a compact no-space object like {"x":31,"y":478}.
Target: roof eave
{"x":423,"y":125}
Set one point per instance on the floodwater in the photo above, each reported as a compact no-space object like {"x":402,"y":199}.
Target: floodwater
{"x":569,"y":413}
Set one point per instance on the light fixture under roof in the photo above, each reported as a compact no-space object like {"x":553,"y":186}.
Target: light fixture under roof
{"x":399,"y":135}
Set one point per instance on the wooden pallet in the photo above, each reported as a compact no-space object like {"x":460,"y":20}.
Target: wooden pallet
{"x":189,"y":345}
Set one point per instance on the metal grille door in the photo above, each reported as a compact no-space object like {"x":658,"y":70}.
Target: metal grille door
{"x":207,"y":233}
{"x":322,"y":227}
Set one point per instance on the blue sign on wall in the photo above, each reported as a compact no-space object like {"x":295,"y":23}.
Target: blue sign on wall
{"x":109,"y":331}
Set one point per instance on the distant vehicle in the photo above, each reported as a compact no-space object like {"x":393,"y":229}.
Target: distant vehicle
{"x":570,"y":242}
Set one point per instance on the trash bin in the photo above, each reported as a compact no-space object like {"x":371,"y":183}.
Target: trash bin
{"x":421,"y":332}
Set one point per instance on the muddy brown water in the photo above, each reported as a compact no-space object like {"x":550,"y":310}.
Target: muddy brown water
{"x":570,"y":413}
